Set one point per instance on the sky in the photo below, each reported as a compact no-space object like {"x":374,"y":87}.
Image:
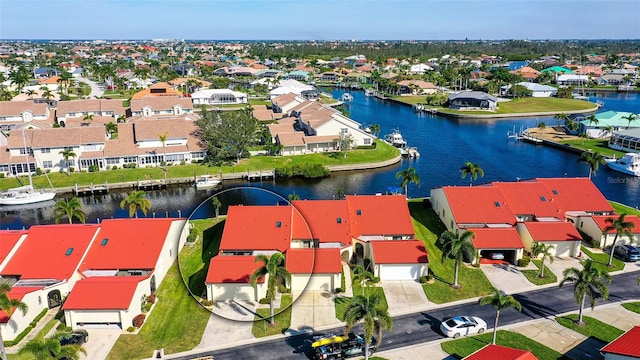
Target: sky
{"x":320,"y":19}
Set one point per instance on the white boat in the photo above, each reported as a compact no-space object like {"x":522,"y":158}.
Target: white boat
{"x":628,"y":164}
{"x":368,"y":92}
{"x":25,"y":194}
{"x":207,"y":182}
{"x":346,"y":97}
{"x":395,"y":139}
{"x":413,"y":152}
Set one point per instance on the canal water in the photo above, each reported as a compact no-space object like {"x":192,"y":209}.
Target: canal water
{"x":444,"y":144}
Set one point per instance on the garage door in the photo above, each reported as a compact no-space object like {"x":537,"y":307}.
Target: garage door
{"x":564,"y":249}
{"x":399,"y":272}
{"x":315,"y":282}
{"x":95,"y":318}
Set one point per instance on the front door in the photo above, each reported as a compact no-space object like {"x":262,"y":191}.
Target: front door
{"x":54,"y":298}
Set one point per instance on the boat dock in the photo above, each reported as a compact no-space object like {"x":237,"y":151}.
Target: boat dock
{"x":523,"y":135}
{"x":423,"y":108}
{"x":260,"y":175}
{"x":147,"y":185}
{"x":91,"y":190}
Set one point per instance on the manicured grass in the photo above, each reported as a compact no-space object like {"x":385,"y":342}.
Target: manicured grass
{"x":463,"y":347}
{"x":602,"y":259}
{"x":176,"y":324}
{"x":593,"y":328}
{"x":632,"y":306}
{"x":474,"y":283}
{"x":624,"y":209}
{"x":595,"y":145}
{"x":382,"y":152}
{"x":193,"y":260}
{"x":259,"y":102}
{"x":343,"y":302}
{"x":262,"y":327}
{"x":412,"y":100}
{"x":532,"y":275}
{"x":532,"y":105}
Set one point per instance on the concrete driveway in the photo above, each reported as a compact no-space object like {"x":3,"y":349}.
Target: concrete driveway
{"x":507,"y":278}
{"x":101,"y":340}
{"x":404,"y":296}
{"x":312,"y":310}
{"x":221,"y":331}
{"x":560,"y":264}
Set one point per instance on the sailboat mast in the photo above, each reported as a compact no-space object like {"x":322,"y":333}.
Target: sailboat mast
{"x":26,"y":152}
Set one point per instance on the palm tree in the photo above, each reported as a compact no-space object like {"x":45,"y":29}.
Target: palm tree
{"x":408,"y":175}
{"x":69,"y":208}
{"x":375,"y":129}
{"x":630,"y":117}
{"x":215,"y":202}
{"x":562,"y":117}
{"x":50,"y":348}
{"x":274,"y":268}
{"x":594,"y":160}
{"x":163,"y":140}
{"x":606,"y":130}
{"x":136,"y":200}
{"x":593,"y":120}
{"x":67,"y":153}
{"x":455,"y":246}
{"x":622,"y":228}
{"x":499,"y":300}
{"x":471,"y":169}
{"x":30,"y":93}
{"x":368,"y":308}
{"x":88,"y":118}
{"x":363,"y":277}
{"x":587,"y":282}
{"x":8,"y":305}
{"x":293,"y":196}
{"x":538,"y":249}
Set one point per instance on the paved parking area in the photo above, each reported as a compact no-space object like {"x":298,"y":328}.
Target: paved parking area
{"x":560,"y":264}
{"x":100,"y":342}
{"x":404,"y":296}
{"x":312,"y":310}
{"x":506,"y":277}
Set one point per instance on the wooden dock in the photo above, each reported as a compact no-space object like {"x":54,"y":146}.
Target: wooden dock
{"x":260,"y":175}
{"x":91,"y":190}
{"x":147,"y":185}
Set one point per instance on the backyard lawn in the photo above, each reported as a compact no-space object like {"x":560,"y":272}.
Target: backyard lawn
{"x":624,"y":209}
{"x":461,"y":348}
{"x":593,"y":328}
{"x":595,"y":145}
{"x":193,"y":261}
{"x":474,"y":283}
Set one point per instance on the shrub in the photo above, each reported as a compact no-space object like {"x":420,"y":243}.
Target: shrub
{"x":151,"y":299}
{"x":138,"y":320}
{"x":114,"y":167}
{"x":147,"y":307}
{"x":263,"y":301}
{"x":93,"y":168}
{"x":182,"y":162}
{"x":72,"y":169}
{"x":524,"y":261}
{"x":64,"y":328}
{"x":1,"y":175}
{"x":129,"y":166}
{"x":425,"y":279}
{"x":131,"y":329}
{"x":283,"y":289}
{"x":207,"y":302}
{"x":339,"y":290}
{"x":306,"y":170}
{"x":38,"y":171}
{"x":193,"y":234}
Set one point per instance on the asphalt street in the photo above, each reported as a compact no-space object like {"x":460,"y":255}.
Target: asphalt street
{"x":424,"y":326}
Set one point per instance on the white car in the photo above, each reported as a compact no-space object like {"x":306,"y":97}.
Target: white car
{"x":463,"y":325}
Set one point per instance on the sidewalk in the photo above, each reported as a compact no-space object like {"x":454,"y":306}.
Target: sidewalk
{"x":51,"y":314}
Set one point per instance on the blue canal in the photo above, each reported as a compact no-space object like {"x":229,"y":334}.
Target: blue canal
{"x":444,"y":144}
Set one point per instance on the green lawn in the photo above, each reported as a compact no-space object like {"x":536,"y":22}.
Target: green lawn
{"x":382,"y":152}
{"x":343,"y":302}
{"x":193,"y":264}
{"x":463,"y":347}
{"x":593,"y":328}
{"x":632,"y":306}
{"x":602,"y":259}
{"x":176,"y":324}
{"x":262,"y":327}
{"x":532,"y":275}
{"x":532,"y":105}
{"x":41,"y":335}
{"x":412,"y":100}
{"x":595,"y":145}
{"x":474,"y":283}
{"x":624,"y":209}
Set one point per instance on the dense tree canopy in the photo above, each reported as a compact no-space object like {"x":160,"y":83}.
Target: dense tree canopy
{"x":227,"y":135}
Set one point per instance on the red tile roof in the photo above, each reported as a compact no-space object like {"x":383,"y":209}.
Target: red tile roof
{"x":231,"y":269}
{"x":496,"y":238}
{"x":478,"y":205}
{"x":626,"y":344}
{"x":379,"y":215}
{"x":576,"y":194}
{"x":103,"y":293}
{"x":399,"y":252}
{"x":322,"y":218}
{"x":553,"y":231}
{"x":497,"y":352}
{"x":131,"y":244}
{"x":17,"y":293}
{"x":602,"y":224}
{"x":321,"y":261}
{"x":529,"y":198}
{"x":270,"y":228}
{"x":8,"y":239}
{"x":43,"y":254}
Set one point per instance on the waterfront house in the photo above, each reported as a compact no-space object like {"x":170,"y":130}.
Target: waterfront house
{"x":420,"y":69}
{"x":297,"y":75}
{"x":572,"y":80}
{"x":593,"y":227}
{"x":626,"y":140}
{"x":625,"y":347}
{"x":218,"y":97}
{"x":527,"y":72}
{"x":78,"y":109}
{"x":329,"y":76}
{"x":292,"y":86}
{"x":161,"y":106}
{"x":472,"y":100}
{"x":17,"y":114}
{"x":616,"y":120}
{"x":417,"y":87}
{"x":537,"y":90}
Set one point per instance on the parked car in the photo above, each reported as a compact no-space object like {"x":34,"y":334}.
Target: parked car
{"x":339,"y":347}
{"x":627,"y":252}
{"x":462,"y":325}
{"x":497,"y":256}
{"x":76,"y":337}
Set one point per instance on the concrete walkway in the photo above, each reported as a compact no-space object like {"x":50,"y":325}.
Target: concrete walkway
{"x":51,"y":314}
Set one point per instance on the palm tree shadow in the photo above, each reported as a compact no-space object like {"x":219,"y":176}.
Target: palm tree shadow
{"x":533,"y":309}
{"x":433,"y":323}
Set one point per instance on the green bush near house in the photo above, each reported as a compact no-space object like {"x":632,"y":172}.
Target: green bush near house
{"x":532,"y":275}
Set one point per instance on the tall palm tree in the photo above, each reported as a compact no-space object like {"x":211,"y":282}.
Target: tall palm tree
{"x":67,"y":153}
{"x":274,"y":268}
{"x":587,"y":282}
{"x":136,"y":200}
{"x":455,"y":246}
{"x":363,"y":277}
{"x":408,"y":175}
{"x":50,"y":348}
{"x":606,"y":130}
{"x":622,"y":228}
{"x":69,"y":208}
{"x":538,"y":249}
{"x":593,"y":159}
{"x":375,"y":129}
{"x":499,"y":300}
{"x":593,"y":120}
{"x":630,"y":117}
{"x":473,"y":170}
{"x":369,"y":309}
{"x":562,"y":117}
{"x":163,"y":140}
{"x":8,"y":305}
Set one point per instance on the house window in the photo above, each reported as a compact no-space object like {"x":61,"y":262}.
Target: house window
{"x":45,"y":150}
{"x":543,"y":199}
{"x":278,"y":224}
{"x":367,"y":141}
{"x":47,"y":164}
{"x":104,"y":241}
{"x":554,"y":191}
